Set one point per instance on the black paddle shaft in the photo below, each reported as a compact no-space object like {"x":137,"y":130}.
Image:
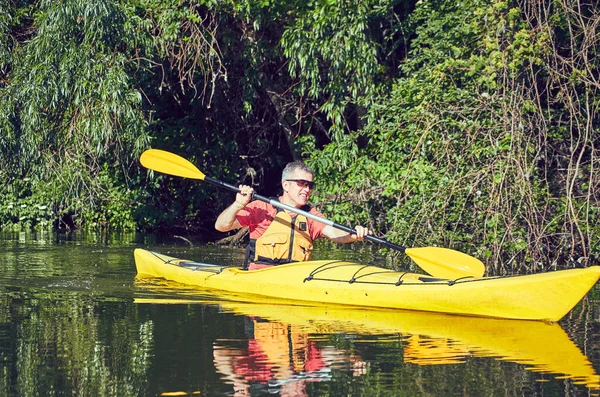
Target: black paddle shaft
{"x":295,"y":210}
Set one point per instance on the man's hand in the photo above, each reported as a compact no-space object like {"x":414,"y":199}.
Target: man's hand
{"x":244,"y":196}
{"x":342,"y":237}
{"x":361,"y":232}
{"x":227,"y":221}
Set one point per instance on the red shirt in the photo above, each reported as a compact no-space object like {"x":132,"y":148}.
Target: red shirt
{"x":258,"y":215}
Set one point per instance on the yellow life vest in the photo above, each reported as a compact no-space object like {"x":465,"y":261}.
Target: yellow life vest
{"x":286,"y":240}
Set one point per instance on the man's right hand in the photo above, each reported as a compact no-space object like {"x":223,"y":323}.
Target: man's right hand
{"x":226,"y":220}
{"x":244,"y":196}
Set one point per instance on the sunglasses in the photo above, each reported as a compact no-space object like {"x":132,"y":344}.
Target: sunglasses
{"x":303,"y":183}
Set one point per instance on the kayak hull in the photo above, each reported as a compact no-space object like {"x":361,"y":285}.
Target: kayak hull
{"x":546,"y":296}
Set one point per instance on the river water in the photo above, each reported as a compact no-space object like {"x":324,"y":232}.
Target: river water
{"x":75,"y":321}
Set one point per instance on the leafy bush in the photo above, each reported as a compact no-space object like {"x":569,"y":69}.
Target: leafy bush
{"x":461,"y":153}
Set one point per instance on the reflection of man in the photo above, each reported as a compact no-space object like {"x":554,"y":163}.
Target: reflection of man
{"x":277,"y":236}
{"x":277,"y":355}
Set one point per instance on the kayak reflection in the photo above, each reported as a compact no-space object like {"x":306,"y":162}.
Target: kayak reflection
{"x":281,"y":356}
{"x":444,"y":339}
{"x":283,"y":340}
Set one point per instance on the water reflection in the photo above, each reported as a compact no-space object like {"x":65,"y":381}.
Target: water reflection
{"x":280,"y":356}
{"x":284,"y":344}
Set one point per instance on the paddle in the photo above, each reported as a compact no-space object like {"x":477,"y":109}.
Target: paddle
{"x":437,"y":261}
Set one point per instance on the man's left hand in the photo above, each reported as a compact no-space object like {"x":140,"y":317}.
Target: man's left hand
{"x":361,"y":232}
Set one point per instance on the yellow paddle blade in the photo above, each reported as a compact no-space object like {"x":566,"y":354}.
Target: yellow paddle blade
{"x":446,"y":263}
{"x":169,"y":163}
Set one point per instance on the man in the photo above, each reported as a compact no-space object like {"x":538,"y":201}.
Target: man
{"x":276,"y":236}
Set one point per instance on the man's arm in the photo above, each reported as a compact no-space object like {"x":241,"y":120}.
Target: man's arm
{"x":226,"y":220}
{"x":342,"y":237}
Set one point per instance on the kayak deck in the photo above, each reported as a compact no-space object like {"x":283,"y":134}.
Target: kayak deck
{"x":546,"y":296}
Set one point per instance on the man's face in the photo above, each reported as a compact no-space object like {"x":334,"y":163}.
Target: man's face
{"x":298,"y":188}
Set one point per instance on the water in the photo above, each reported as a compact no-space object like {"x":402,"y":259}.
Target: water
{"x":75,"y":321}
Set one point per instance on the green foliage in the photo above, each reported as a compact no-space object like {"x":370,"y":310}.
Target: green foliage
{"x":71,"y":107}
{"x":115,"y":211}
{"x":5,"y":23}
{"x":21,"y":205}
{"x":77,"y":95}
{"x":456,"y":155}
{"x":188,"y":74}
{"x":28,"y":203}
{"x":468,"y":124}
{"x":334,"y":54}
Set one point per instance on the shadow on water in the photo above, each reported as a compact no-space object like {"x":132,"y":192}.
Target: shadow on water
{"x":74,"y":321}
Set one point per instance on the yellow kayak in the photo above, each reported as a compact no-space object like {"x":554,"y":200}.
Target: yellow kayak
{"x":545,"y":296}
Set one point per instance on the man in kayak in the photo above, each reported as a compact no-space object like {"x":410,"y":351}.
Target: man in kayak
{"x":276,"y":236}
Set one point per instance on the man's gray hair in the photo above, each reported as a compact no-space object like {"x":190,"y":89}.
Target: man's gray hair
{"x":292,"y":167}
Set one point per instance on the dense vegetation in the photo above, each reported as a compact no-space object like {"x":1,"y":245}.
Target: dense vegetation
{"x":469,"y":124}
